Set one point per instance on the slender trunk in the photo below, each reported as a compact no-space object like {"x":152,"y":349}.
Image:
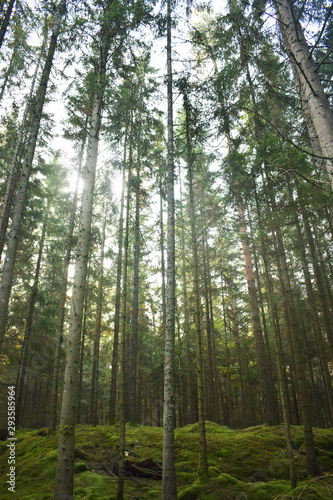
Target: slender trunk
{"x":5,"y":20}
{"x":162,"y":261}
{"x":325,"y":272}
{"x":12,"y":169}
{"x":82,"y":346}
{"x":114,"y":369}
{"x":316,"y":325}
{"x":203,"y":464}
{"x":163,"y":287}
{"x":8,"y":268}
{"x":97,"y":335}
{"x":189,"y":399}
{"x":169,"y":485}
{"x":297,"y":347}
{"x":25,"y":354}
{"x":9,"y":71}
{"x":210,"y":299}
{"x":133,"y":417}
{"x":319,"y":279}
{"x":270,"y":408}
{"x":279,"y":355}
{"x":213,"y":401}
{"x":312,"y":91}
{"x":62,"y":303}
{"x":65,"y":459}
{"x":247,"y":421}
{"x":284,"y":404}
{"x":122,"y":357}
{"x":229,"y":417}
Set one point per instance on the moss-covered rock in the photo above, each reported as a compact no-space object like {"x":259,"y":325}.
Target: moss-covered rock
{"x":80,"y":467}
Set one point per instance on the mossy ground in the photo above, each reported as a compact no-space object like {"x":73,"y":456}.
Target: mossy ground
{"x":247,"y":464}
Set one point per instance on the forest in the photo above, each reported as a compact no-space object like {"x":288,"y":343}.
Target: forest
{"x":166,"y":242}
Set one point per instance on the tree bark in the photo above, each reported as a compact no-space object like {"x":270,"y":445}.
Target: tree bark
{"x":133,"y":410}
{"x":169,"y":485}
{"x":62,"y":303}
{"x":312,"y":91}
{"x":190,"y":417}
{"x":65,"y":459}
{"x":97,"y":335}
{"x":203,"y":464}
{"x":8,"y":268}
{"x":114,"y":369}
{"x":270,"y":409}
{"x":122,"y":353}
{"x":5,"y":20}
{"x":6,"y":204}
{"x":25,"y":354}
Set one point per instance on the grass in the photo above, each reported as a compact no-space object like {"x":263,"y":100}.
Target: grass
{"x":243,"y":464}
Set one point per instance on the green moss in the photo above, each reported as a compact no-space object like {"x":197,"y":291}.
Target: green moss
{"x":251,"y":462}
{"x":225,"y":479}
{"x":80,"y":467}
{"x":213,"y":472}
{"x":190,"y":493}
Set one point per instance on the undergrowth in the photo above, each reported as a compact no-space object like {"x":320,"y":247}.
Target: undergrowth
{"x":249,"y":464}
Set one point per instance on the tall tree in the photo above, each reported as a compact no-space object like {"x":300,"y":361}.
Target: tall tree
{"x":203,"y":464}
{"x":312,"y":91}
{"x":169,"y":485}
{"x":65,"y":459}
{"x":114,"y":369}
{"x":7,"y":273}
{"x":122,"y":343}
{"x":25,"y":354}
{"x":6,"y":12}
{"x":97,"y":333}
{"x":9,"y":193}
{"x":63,"y":296}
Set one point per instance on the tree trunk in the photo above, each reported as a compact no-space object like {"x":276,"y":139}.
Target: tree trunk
{"x":279,"y":354}
{"x":5,"y":20}
{"x":297,"y":348}
{"x":162,"y":261}
{"x":203,"y":464}
{"x":133,"y":417}
{"x":212,"y":327}
{"x":319,"y":279}
{"x":62,"y":303}
{"x":8,"y":268}
{"x":229,"y":415}
{"x":316,"y":325}
{"x":6,"y":204}
{"x":169,"y":485}
{"x":213,"y":396}
{"x":25,"y":354}
{"x":312,"y":91}
{"x":82,"y":345}
{"x":122,"y":357}
{"x":190,"y":417}
{"x":114,"y":369}
{"x":97,"y":336}
{"x":65,"y":459}
{"x":270,"y":409}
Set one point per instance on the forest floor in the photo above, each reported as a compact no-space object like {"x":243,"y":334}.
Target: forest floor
{"x":243,"y":464}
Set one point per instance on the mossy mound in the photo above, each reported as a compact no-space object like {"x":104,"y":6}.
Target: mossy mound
{"x":244,"y":464}
{"x":226,"y":487}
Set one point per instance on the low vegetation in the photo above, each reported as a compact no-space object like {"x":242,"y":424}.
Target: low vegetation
{"x":243,"y":464}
